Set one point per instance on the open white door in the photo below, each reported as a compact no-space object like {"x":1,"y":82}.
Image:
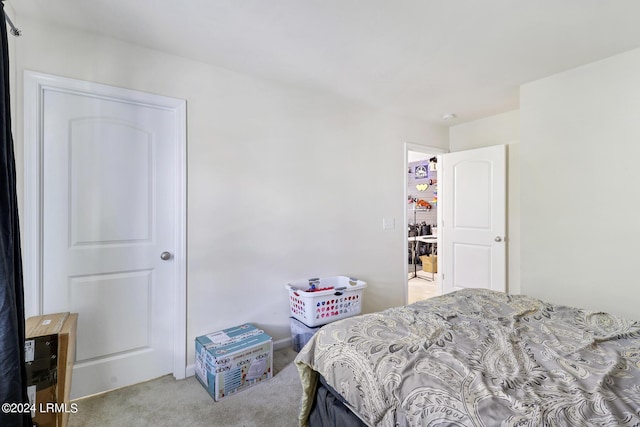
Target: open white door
{"x":473,"y":193}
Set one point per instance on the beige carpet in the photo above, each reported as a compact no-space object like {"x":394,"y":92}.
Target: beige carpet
{"x":167,"y":402}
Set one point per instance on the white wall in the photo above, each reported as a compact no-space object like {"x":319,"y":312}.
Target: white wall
{"x":580,"y":151}
{"x":496,"y":130}
{"x":321,"y":174}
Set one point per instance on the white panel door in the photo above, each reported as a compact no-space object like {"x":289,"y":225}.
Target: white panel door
{"x":473,"y":196}
{"x":108,"y":170}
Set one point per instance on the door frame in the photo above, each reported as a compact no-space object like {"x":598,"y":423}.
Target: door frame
{"x":409,"y":146}
{"x":35,"y":84}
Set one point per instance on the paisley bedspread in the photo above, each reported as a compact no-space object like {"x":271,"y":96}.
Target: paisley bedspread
{"x":479,"y":358}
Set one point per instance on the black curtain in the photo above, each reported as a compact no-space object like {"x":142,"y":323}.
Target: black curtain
{"x":13,"y":386}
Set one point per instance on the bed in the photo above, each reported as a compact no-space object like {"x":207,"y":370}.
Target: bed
{"x":474,"y":358}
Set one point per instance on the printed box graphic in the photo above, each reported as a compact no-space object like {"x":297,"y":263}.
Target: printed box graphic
{"x":233,"y":359}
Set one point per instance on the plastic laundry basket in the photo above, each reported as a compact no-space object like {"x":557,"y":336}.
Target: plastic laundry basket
{"x":319,"y":301}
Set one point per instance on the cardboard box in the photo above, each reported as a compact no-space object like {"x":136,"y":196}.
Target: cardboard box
{"x":66,"y":359}
{"x":233,"y":359}
{"x":38,"y":348}
{"x":42,"y":373}
{"x":429,"y":263}
{"x":50,"y":342}
{"x":41,"y":397}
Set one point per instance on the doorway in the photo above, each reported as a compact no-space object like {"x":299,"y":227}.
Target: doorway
{"x":421,"y":216}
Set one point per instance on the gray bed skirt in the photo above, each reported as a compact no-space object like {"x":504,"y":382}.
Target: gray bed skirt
{"x":328,"y":409}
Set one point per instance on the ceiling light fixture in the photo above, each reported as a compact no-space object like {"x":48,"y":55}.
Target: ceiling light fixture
{"x":448,"y":116}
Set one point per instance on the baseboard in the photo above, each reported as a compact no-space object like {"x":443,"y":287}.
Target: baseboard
{"x":283,"y":343}
{"x":191,"y":370}
{"x":277,"y":345}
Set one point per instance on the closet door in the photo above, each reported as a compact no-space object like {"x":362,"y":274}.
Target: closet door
{"x":110,"y":228}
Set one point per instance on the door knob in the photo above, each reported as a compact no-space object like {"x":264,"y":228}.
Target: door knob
{"x":498,"y":239}
{"x":165,"y":256}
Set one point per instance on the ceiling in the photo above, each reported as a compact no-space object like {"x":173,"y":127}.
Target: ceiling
{"x":415,"y":58}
